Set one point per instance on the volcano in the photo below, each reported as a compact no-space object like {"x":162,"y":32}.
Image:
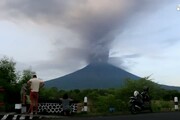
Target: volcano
{"x":93,"y":76}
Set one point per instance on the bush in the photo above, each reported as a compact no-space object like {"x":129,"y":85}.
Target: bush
{"x":160,"y":105}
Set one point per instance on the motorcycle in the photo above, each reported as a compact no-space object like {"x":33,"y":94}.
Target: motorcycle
{"x":136,"y":104}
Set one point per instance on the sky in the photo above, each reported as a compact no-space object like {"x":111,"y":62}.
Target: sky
{"x":58,"y":37}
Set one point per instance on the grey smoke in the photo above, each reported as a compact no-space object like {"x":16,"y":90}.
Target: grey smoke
{"x":95,"y":23}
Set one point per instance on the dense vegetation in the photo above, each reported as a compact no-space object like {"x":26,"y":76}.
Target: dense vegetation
{"x":99,"y":100}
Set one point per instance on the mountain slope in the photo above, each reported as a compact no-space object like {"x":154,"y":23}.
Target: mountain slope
{"x":167,"y":87}
{"x":95,"y":75}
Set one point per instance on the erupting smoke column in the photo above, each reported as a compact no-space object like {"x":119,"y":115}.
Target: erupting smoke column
{"x":95,"y":22}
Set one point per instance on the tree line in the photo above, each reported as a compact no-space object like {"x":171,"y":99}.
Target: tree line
{"x":99,"y":100}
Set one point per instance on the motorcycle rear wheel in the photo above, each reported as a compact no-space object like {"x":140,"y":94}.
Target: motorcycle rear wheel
{"x":133,"y":109}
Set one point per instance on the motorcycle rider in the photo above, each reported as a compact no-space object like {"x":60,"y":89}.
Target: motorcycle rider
{"x":139,"y":98}
{"x":140,"y":101}
{"x":145,"y":94}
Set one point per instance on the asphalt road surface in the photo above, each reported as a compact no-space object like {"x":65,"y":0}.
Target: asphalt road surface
{"x":146,"y":116}
{"x":143,"y":116}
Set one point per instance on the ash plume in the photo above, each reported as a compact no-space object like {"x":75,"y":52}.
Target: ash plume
{"x":94,"y":23}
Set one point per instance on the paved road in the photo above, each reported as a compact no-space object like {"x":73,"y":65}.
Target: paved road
{"x":145,"y":116}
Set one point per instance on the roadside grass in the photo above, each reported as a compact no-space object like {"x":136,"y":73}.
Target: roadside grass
{"x":157,"y":106}
{"x":162,"y":106}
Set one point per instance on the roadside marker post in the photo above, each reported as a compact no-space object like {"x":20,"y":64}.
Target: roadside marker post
{"x":85,"y":104}
{"x":176,"y":107}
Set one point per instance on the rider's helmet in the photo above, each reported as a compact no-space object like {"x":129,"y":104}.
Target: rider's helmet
{"x":136,"y":93}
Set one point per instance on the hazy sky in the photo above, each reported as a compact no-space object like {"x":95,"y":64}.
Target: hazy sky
{"x":57,"y":37}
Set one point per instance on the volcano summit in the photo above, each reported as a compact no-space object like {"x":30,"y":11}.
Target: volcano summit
{"x":94,"y":76}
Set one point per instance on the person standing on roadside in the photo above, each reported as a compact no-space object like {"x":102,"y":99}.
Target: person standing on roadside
{"x":23,"y":93}
{"x":66,"y":104}
{"x":35,"y":84}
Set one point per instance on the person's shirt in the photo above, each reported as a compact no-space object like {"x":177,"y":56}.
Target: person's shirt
{"x":35,"y":84}
{"x":65,"y":104}
{"x":145,"y":96}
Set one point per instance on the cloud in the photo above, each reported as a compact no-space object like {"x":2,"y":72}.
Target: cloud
{"x":125,"y":61}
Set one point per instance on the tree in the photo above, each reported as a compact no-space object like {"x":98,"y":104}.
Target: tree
{"x":26,"y":75}
{"x":155,"y":91}
{"x":8,"y":79}
{"x":7,"y":71}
